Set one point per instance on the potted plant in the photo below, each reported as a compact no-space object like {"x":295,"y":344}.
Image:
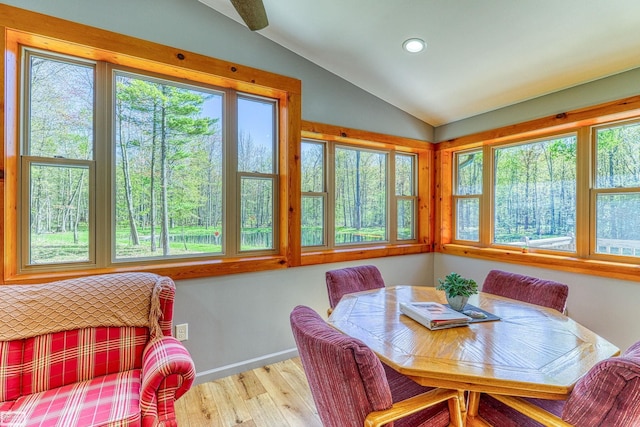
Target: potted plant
{"x":457,"y":290}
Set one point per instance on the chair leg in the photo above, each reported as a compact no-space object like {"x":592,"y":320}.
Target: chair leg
{"x":457,"y":410}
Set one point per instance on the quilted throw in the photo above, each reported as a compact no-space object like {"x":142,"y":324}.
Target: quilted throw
{"x":126,"y":299}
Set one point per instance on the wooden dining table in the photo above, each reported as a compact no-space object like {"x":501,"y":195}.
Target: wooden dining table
{"x":531,"y":351}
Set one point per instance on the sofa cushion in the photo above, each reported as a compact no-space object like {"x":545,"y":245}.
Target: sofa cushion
{"x":104,"y":401}
{"x":10,"y":369}
{"x":55,"y":360}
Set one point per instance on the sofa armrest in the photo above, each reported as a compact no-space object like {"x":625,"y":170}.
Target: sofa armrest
{"x":167,"y":373}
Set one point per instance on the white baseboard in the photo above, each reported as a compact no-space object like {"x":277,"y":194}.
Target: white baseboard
{"x":245,"y":365}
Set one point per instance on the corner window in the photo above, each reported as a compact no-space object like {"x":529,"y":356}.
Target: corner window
{"x":467,"y":195}
{"x":406,"y":196}
{"x":616,"y":193}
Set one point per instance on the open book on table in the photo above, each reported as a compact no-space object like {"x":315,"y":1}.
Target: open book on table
{"x":434,"y":315}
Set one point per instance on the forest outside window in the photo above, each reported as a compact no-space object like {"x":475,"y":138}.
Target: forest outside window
{"x":574,"y":194}
{"x":348,"y":192}
{"x":534,"y":194}
{"x":183,"y":161}
{"x":467,"y":195}
{"x":616,"y":190}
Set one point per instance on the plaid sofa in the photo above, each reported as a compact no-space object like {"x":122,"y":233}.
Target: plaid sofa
{"x":94,"y":351}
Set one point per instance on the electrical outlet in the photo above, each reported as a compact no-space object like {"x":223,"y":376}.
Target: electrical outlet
{"x":182,"y":332}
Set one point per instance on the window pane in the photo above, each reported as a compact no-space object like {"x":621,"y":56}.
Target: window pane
{"x":406,"y":219}
{"x":361,"y":196}
{"x":535,"y":194}
{"x":469,"y":173}
{"x":256,"y":135}
{"x":618,"y":224}
{"x":618,"y":156}
{"x":256,"y":214}
{"x":405,"y":175}
{"x":60,"y":109}
{"x":168,"y":166}
{"x":312,"y":221}
{"x":312,"y":167}
{"x":468,"y":219}
{"x":59,"y":214}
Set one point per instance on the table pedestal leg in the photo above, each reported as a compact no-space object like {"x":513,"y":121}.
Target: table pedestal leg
{"x":473,"y":420}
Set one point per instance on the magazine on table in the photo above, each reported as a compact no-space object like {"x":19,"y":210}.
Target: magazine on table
{"x":434,"y":315}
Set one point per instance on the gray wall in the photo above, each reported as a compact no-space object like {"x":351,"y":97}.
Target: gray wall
{"x":612,"y":88}
{"x":241,"y":321}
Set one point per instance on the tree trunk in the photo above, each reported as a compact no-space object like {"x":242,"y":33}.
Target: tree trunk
{"x":164,"y":236}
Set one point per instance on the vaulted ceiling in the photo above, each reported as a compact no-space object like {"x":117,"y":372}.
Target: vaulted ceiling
{"x":481,"y":54}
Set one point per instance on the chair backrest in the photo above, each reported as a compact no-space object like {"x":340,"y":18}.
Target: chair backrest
{"x":352,"y":279}
{"x":529,"y":289}
{"x":608,"y":394}
{"x":346,"y":378}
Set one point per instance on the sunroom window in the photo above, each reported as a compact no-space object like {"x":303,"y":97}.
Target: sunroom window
{"x":119,"y":165}
{"x":534,"y":201}
{"x":616,"y":191}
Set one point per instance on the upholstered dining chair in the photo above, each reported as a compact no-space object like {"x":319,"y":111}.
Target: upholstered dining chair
{"x":607,"y":395}
{"x":529,"y":289}
{"x":349,"y":386}
{"x":351,"y":279}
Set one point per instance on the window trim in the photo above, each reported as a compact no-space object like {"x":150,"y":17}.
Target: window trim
{"x":579,"y":121}
{"x":424,"y":152}
{"x":21,"y":27}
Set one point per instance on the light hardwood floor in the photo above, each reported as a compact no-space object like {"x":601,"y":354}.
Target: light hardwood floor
{"x":275,"y":395}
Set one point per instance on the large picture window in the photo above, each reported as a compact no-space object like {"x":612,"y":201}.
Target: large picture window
{"x":168,"y":169}
{"x":176,"y":169}
{"x":534,"y":201}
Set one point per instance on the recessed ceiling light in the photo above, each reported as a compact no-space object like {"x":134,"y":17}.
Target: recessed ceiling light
{"x":414,"y":45}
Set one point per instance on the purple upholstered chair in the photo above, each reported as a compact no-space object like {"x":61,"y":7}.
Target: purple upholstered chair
{"x":546,"y":293}
{"x":607,"y":395}
{"x":349,"y":385}
{"x":352,"y":279}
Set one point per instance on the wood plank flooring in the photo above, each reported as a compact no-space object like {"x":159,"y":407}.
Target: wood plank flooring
{"x":275,"y":395}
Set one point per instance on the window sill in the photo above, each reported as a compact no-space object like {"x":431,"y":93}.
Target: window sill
{"x":353,"y":254}
{"x":177,"y":270}
{"x":608,"y":269}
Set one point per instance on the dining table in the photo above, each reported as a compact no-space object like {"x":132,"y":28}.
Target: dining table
{"x":528,"y":351}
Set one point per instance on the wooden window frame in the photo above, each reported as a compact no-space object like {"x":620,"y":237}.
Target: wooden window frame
{"x":324,"y":195}
{"x":581,"y":122}
{"x":24,"y":28}
{"x":424,"y":153}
